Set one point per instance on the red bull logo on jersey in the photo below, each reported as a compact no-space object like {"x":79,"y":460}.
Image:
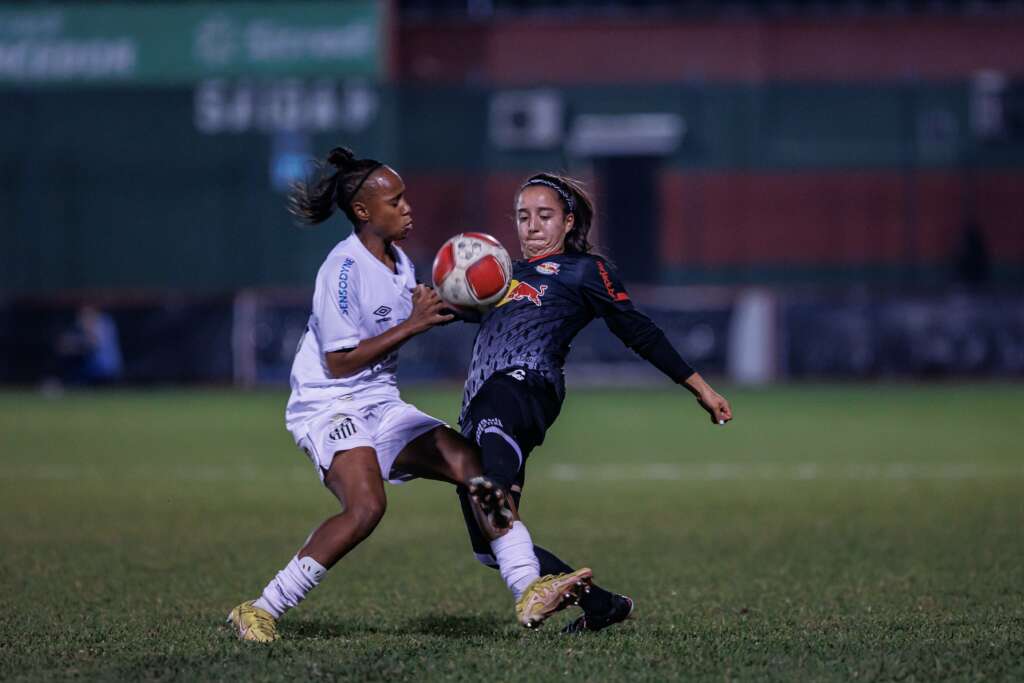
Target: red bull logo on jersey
{"x":518,"y":291}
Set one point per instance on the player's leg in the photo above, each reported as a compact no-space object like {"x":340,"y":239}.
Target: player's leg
{"x":341,"y":449}
{"x":508,"y":418}
{"x":601,"y":608}
{"x":444,"y":455}
{"x":354,"y":478}
{"x":441,"y":454}
{"x":412,"y":443}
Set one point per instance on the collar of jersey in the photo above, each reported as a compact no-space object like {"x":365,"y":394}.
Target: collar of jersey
{"x":538,"y":258}
{"x":369,"y":255}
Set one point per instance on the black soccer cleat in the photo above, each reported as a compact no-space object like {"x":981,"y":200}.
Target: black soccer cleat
{"x":622,"y":608}
{"x":491,"y":499}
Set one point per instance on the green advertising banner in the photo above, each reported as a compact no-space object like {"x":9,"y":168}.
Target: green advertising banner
{"x":184,"y":43}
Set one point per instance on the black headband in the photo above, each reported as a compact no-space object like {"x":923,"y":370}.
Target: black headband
{"x":570,"y":202}
{"x":352,"y":196}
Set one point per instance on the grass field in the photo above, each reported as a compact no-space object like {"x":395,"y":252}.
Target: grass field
{"x":857,"y":532}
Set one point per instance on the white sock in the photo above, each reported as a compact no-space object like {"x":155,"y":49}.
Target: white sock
{"x":517,"y":562}
{"x":290,"y":586}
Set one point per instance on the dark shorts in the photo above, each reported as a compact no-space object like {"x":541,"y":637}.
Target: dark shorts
{"x":517,"y":403}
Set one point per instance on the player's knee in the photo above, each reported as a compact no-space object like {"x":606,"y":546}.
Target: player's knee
{"x":367,"y":514}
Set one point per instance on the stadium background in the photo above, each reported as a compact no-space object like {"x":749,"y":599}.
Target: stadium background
{"x":819,"y":201}
{"x":860,"y":166}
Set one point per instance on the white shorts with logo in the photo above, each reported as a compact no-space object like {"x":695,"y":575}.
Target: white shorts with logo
{"x":385,"y":425}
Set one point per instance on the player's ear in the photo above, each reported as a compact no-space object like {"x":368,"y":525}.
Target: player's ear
{"x":361,"y":212}
{"x":570,"y":221}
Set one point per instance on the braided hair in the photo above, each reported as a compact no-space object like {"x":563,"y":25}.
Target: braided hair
{"x":335,"y":182}
{"x":575,"y":200}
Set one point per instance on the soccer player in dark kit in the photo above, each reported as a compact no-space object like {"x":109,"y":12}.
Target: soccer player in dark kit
{"x":516,"y":385}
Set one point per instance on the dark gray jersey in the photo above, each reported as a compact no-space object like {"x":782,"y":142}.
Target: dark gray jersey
{"x":549,"y":301}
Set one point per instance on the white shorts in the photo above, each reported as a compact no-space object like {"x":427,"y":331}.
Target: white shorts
{"x":385,"y":425}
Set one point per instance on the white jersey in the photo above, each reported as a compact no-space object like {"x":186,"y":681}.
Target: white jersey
{"x":356,"y":297}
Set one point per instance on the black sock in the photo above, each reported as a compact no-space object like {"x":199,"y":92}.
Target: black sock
{"x":597,"y":601}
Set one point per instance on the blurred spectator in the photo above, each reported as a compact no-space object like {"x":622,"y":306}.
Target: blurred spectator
{"x":89,"y":353}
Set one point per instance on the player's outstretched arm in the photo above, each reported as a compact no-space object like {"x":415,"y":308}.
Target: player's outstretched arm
{"x":709,"y":399}
{"x":426,"y":312}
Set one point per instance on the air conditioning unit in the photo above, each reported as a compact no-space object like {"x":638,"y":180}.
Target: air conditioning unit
{"x":526,"y":119}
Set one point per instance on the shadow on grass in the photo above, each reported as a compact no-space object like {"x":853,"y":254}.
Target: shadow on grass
{"x":451,"y":626}
{"x":444,"y":625}
{"x":322,"y":628}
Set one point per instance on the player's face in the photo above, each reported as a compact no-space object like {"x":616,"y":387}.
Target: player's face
{"x":541,"y":222}
{"x":387,"y":211}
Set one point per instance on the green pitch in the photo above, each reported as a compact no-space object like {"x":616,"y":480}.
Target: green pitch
{"x":862,"y":532}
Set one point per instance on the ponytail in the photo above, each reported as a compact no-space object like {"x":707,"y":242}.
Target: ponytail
{"x":335,"y":182}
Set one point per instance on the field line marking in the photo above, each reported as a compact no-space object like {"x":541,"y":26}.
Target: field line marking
{"x":807,"y":471}
{"x":709,"y":472}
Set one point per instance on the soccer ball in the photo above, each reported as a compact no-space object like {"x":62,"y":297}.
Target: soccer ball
{"x":472,"y":270}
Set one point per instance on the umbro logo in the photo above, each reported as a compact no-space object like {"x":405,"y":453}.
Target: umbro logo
{"x":382,"y":314}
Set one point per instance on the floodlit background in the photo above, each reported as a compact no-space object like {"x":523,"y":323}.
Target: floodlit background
{"x":822,"y":203}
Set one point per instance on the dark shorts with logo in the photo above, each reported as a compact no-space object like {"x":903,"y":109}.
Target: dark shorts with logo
{"x":524,"y":409}
{"x":521,"y":402}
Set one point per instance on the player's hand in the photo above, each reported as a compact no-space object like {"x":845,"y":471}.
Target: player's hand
{"x":716,"y":405}
{"x":469,"y":315}
{"x":709,"y":399}
{"x":427,"y":310}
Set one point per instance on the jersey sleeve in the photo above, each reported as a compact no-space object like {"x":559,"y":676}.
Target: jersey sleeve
{"x":603,"y":289}
{"x":337,"y":307}
{"x":605,"y":294}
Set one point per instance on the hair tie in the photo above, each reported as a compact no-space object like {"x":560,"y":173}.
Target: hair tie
{"x":570,"y":202}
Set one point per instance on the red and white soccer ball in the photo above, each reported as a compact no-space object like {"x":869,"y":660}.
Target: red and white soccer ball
{"x":472,"y":270}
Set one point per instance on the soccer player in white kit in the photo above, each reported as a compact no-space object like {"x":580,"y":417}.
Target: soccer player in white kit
{"x":345,"y":411}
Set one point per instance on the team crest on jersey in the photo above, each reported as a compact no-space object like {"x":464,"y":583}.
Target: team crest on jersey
{"x":547,"y":268}
{"x":518,"y":291}
{"x":344,"y":428}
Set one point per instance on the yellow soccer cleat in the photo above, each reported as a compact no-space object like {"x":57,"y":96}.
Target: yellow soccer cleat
{"x":551,"y":593}
{"x":253,"y":623}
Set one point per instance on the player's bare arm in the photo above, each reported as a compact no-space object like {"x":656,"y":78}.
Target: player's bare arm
{"x":426,"y":313}
{"x":709,"y":399}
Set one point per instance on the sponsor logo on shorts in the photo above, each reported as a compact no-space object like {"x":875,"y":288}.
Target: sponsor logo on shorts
{"x":344,"y":428}
{"x":484,"y":424}
{"x":548,"y":268}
